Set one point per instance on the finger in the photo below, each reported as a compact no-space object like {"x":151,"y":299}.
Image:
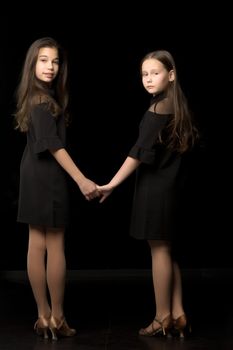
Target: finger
{"x":102,"y":199}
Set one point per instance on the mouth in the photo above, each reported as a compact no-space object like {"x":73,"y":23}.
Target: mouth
{"x":48,"y":75}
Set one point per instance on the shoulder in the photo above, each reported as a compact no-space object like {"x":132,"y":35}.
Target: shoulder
{"x":153,"y":121}
{"x":163,"y":107}
{"x":40,"y":113}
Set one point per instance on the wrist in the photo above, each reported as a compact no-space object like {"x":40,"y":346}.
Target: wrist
{"x":112,"y":184}
{"x":79,"y":179}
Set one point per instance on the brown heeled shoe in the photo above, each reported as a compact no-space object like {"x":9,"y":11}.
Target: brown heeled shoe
{"x":60,"y":328}
{"x":181,"y":326}
{"x":41,"y":326}
{"x":163,"y":328}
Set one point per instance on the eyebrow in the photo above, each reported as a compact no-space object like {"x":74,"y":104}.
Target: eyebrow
{"x":150,"y":70}
{"x":55,"y":58}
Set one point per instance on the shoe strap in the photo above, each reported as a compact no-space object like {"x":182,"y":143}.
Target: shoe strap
{"x":158,"y":321}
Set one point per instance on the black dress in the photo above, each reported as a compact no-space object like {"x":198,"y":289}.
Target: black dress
{"x":155,"y":199}
{"x":43,"y":192}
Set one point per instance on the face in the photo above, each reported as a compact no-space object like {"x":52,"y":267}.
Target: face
{"x":155,"y":77}
{"x":47,"y":64}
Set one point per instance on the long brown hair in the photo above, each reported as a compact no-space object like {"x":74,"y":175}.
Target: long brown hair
{"x":181,"y":132}
{"x":32,"y":91}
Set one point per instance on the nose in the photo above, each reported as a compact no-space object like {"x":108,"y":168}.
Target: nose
{"x":50,"y":65}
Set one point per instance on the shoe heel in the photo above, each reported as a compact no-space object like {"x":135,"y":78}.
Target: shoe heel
{"x":45,"y":331}
{"x":181,"y":326}
{"x":41,"y":327}
{"x":53,"y":333}
{"x":59,"y":328}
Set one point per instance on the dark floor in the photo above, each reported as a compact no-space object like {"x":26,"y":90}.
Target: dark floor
{"x":109,"y":306}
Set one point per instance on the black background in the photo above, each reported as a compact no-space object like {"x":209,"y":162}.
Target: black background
{"x":105,"y":45}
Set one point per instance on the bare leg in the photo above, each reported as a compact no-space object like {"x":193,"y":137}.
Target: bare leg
{"x":162,"y":280}
{"x":56,"y":270}
{"x":180,"y":323}
{"x":56,"y":273}
{"x":177,"y":305}
{"x":162,"y":277}
{"x":36,"y":268}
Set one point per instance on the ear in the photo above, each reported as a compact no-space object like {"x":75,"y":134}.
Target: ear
{"x":171,"y":75}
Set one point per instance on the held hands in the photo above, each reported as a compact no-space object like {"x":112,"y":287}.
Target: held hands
{"x":104,"y":191}
{"x":89,"y":189}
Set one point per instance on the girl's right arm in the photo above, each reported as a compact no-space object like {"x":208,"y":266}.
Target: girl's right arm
{"x":87,"y":187}
{"x":127,"y":168}
{"x":46,"y":138}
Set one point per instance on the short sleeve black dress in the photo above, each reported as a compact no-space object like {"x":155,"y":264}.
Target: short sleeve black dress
{"x":43,"y":191}
{"x":155,"y":198}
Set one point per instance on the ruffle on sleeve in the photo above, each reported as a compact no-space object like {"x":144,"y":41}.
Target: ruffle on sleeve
{"x":50,"y":143}
{"x":144,"y":155}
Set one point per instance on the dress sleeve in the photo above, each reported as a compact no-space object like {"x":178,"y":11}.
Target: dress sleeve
{"x":44,"y":125}
{"x":149,"y":129}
